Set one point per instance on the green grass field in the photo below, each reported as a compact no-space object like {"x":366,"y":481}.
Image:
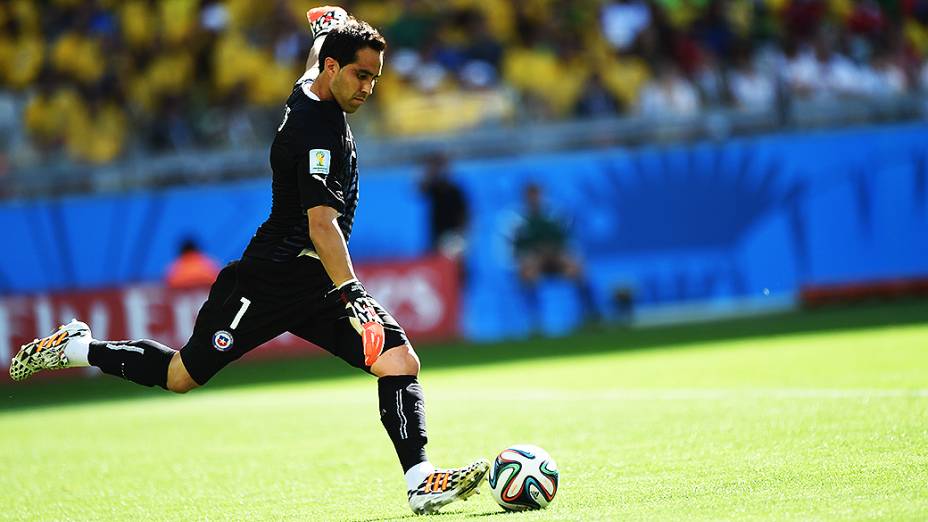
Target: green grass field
{"x":814,"y":416}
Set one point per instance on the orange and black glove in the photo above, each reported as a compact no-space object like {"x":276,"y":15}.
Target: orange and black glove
{"x":362,"y":314}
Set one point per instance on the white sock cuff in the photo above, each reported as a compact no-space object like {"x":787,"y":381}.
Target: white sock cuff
{"x":76,"y":351}
{"x":417,"y":474}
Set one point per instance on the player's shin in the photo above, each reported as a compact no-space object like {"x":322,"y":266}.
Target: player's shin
{"x":143,"y":362}
{"x":402,"y":412}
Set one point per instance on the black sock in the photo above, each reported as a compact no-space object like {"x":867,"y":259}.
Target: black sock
{"x":143,"y":362}
{"x":402,"y":412}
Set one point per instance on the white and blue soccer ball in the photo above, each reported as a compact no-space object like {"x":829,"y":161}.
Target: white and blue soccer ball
{"x":523,"y":477}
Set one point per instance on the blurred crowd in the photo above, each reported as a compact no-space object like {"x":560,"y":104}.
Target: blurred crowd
{"x":98,"y":79}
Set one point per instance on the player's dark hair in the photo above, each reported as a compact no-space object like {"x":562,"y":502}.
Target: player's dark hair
{"x":343,"y":43}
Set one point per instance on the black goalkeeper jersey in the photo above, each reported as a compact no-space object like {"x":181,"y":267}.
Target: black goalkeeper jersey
{"x":314,"y":162}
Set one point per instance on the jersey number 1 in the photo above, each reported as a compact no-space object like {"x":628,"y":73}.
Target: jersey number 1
{"x":241,"y":311}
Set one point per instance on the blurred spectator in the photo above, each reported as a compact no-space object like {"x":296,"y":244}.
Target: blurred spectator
{"x":546,"y":66}
{"x":886,"y":76}
{"x":188,"y":74}
{"x":541,"y":246}
{"x":750,"y":88}
{"x":96,"y":131}
{"x":668,"y":94}
{"x":192,"y":268}
{"x":624,"y":74}
{"x":448,"y":210}
{"x":480,"y":44}
{"x":22,"y":53}
{"x":823,"y":72}
{"x":709,"y":80}
{"x":623,"y":21}
{"x":923,"y":78}
{"x":47,"y":110}
{"x":172,"y":131}
{"x":596,"y":101}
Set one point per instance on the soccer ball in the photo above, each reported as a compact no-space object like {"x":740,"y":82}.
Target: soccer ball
{"x":523,"y":477}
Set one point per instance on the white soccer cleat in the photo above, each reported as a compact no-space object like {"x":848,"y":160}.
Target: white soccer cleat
{"x":46,"y":353}
{"x":444,"y":486}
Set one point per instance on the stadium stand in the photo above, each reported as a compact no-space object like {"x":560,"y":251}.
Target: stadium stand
{"x":178,"y":97}
{"x":714,"y":224}
{"x":145,"y":77}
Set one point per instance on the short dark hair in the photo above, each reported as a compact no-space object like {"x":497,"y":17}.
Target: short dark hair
{"x":343,"y":43}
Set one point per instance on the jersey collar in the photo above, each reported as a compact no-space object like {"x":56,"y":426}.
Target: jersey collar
{"x":305,"y":86}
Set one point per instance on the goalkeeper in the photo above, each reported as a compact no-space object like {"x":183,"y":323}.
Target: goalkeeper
{"x":296,"y":273}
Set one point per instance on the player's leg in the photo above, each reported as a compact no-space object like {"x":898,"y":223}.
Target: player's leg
{"x":396,"y":361}
{"x":402,"y":405}
{"x":530,"y":267}
{"x":249,"y":307}
{"x":397,"y":369}
{"x":179,"y":379}
{"x":150,"y":363}
{"x":570,"y":266}
{"x":143,"y":361}
{"x":402,"y":412}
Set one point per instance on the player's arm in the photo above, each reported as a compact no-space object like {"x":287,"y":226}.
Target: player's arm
{"x":333,"y":252}
{"x":322,"y":196}
{"x":321,"y":20}
{"x":330,"y":243}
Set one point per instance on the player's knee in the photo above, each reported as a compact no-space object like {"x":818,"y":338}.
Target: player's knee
{"x":181,"y":386}
{"x":406,"y":361}
{"x":411,"y":363}
{"x":401,"y":360}
{"x":179,"y":381}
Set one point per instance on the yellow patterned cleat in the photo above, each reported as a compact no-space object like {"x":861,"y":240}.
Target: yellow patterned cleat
{"x":46,"y":353}
{"x":445,"y":486}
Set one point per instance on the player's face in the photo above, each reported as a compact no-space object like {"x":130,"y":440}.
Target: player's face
{"x":353,"y":83}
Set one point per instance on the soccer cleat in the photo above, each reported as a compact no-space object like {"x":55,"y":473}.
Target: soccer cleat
{"x":444,"y":486}
{"x":46,"y":353}
{"x":325,"y":18}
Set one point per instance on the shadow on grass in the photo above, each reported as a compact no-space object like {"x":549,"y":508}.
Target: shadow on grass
{"x":433,"y":516}
{"x":493,"y":513}
{"x":609,"y":338}
{"x":438,"y":516}
{"x":381,"y":519}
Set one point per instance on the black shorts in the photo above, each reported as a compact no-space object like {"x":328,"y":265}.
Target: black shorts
{"x":254,"y":301}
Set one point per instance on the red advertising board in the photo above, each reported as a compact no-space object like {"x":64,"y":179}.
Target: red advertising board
{"x":421,"y":294}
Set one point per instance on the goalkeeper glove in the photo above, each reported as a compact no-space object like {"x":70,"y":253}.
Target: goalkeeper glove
{"x":362,"y":314}
{"x":325,"y":18}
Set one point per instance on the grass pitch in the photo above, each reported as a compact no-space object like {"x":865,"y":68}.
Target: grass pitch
{"x":813,"y":416}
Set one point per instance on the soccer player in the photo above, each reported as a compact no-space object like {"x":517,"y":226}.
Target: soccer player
{"x":541,"y":248}
{"x":296,"y":274}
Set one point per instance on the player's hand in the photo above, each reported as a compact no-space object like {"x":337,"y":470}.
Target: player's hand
{"x":324,"y":18}
{"x":363,"y":317}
